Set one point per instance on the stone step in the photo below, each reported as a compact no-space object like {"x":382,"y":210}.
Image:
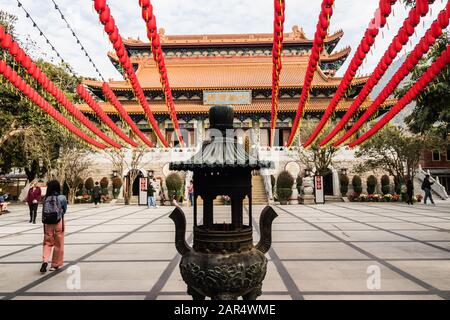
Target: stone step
{"x":333,"y":199}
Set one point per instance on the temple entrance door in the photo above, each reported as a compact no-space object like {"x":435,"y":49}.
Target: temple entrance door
{"x":328,"y":183}
{"x":136,"y":184}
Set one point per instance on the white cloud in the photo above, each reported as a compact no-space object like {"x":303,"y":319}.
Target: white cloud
{"x":196,"y":17}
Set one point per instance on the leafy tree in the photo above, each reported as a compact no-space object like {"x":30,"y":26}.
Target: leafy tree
{"x":395,"y":151}
{"x":432,"y":104}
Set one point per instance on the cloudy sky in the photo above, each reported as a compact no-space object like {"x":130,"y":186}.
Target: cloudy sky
{"x":197,"y":17}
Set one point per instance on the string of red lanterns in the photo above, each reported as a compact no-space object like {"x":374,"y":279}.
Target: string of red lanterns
{"x":431,"y":73}
{"x":114,"y":36}
{"x":278,"y":34}
{"x":379,"y":21}
{"x":405,"y":32}
{"x":86,"y":96}
{"x":318,"y":43}
{"x":25,"y":61}
{"x":38,"y":100}
{"x":158,"y":56}
{"x":111,"y":97}
{"x":414,"y":57}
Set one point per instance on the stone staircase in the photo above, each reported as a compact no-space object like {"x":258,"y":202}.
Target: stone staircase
{"x":331,"y":199}
{"x":259,"y":194}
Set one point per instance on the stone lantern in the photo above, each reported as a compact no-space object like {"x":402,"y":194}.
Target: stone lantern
{"x":223,"y":264}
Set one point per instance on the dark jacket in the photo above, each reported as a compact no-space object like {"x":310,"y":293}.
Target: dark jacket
{"x":97,"y":192}
{"x":150,"y":190}
{"x":34,"y":195}
{"x":409,"y":187}
{"x":426,"y":184}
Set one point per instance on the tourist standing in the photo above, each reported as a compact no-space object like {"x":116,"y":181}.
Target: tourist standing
{"x":409,"y":192}
{"x":151,"y":195}
{"x":3,"y":203}
{"x":426,"y":187}
{"x":191,"y":192}
{"x":97,"y":194}
{"x":33,"y":198}
{"x":53,"y":211}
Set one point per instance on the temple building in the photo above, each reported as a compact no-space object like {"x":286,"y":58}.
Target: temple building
{"x":206,"y":70}
{"x":236,"y":70}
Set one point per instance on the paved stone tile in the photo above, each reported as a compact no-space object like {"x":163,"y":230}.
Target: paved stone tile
{"x":168,"y":236}
{"x":124,"y":252}
{"x":403,"y":250}
{"x":89,"y":237}
{"x":427,"y":235}
{"x":344,"y":276}
{"x":301,"y":236}
{"x":372,"y":235}
{"x":436,"y":273}
{"x":316,"y":250}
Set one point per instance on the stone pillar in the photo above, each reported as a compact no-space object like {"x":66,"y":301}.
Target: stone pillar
{"x":336,"y":183}
{"x":307,"y":196}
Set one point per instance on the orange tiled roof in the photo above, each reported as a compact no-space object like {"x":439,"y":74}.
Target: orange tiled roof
{"x":263,"y":105}
{"x":296,"y":36}
{"x":225,"y":73}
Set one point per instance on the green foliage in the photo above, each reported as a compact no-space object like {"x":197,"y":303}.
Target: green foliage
{"x":285,"y":180}
{"x":89,"y":184}
{"x":371,"y":184}
{"x":174,"y":183}
{"x":385,"y":184}
{"x":284,"y":194}
{"x":344,"y":181}
{"x":104,"y":182}
{"x":357,"y":184}
{"x":117,"y":182}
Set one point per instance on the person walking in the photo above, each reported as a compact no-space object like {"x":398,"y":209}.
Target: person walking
{"x":409,"y":192}
{"x":53,"y":210}
{"x":426,"y":187}
{"x":97,"y":194}
{"x":151,"y":195}
{"x":33,"y":198}
{"x":191,"y":192}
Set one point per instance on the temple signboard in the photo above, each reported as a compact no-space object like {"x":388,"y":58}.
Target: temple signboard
{"x":227,"y":98}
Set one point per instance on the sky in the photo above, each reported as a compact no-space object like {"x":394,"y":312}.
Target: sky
{"x":198,"y":17}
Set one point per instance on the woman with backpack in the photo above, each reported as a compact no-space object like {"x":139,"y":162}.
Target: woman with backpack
{"x":53,"y":210}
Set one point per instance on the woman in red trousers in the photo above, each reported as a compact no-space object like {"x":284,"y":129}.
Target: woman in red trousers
{"x":54,"y":208}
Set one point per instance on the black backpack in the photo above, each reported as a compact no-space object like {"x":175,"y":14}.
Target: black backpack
{"x":52,"y":211}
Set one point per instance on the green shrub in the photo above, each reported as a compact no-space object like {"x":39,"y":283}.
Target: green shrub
{"x":385,"y":184}
{"x":357,"y":184}
{"x":285,"y":182}
{"x":174,"y":185}
{"x":104,"y":183}
{"x":89,"y":184}
{"x":344,"y":181}
{"x":371,"y":184}
{"x":299,"y":184}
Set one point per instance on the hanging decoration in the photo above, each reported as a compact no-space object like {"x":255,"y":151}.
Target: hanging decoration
{"x":405,"y":32}
{"x":429,"y":39}
{"x":431,"y":73}
{"x":158,"y":56}
{"x":318,"y":44}
{"x":277,"y":49}
{"x":25,"y":61}
{"x":111,"y":29}
{"x":38,"y":100}
{"x":377,"y":23}
{"x":111,"y":97}
{"x":86,"y":96}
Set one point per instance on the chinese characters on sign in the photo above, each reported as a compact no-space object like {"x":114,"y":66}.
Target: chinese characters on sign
{"x":226,"y":98}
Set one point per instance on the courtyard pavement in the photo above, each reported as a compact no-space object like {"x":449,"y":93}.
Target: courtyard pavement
{"x":331,"y":251}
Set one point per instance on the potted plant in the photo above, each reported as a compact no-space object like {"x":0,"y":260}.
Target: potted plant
{"x":104,"y":183}
{"x":89,"y":185}
{"x":174,"y":185}
{"x":285,"y":182}
{"x":385,"y":184}
{"x":344,"y":181}
{"x":419,"y":198}
{"x":371,"y":184}
{"x":116,"y":184}
{"x":357,"y":184}
{"x":388,"y":197}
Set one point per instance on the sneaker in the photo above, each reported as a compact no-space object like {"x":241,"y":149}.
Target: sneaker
{"x":44,"y":267}
{"x":54,"y":268}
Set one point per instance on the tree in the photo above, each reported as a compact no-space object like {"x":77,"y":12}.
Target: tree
{"x":78,"y":167}
{"x":432,"y":104}
{"x":396,"y":151}
{"x":316,"y":157}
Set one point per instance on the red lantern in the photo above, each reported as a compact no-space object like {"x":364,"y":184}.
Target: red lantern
{"x":105,"y":16}
{"x":99,"y":5}
{"x":7,"y":41}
